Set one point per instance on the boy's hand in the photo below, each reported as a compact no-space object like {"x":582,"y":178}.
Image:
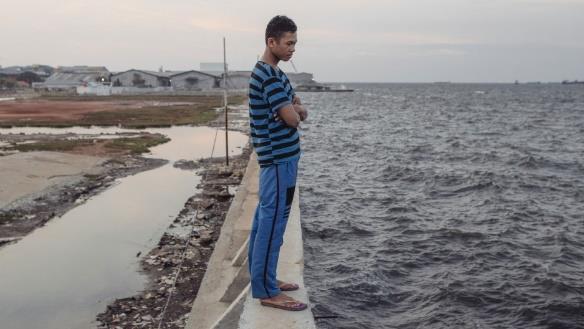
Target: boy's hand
{"x":296,"y":100}
{"x":301,"y":111}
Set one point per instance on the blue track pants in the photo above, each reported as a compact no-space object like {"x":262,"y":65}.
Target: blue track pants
{"x":276,"y":191}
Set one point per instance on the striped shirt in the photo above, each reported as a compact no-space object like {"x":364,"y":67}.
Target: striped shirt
{"x":269,"y":91}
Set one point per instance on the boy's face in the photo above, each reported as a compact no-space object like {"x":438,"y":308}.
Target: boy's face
{"x":284,"y":48}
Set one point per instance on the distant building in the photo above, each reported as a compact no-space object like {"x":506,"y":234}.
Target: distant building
{"x":71,"y":79}
{"x":175,"y":80}
{"x":95,"y":88}
{"x":193,"y":80}
{"x":240,"y":79}
{"x":42,"y":71}
{"x":140,"y":79}
{"x":11,"y":71}
{"x":23,"y":76}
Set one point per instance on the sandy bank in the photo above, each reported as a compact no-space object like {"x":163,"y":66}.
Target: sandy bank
{"x":30,"y":173}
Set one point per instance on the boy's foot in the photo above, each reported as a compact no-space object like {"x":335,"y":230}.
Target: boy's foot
{"x":284,"y":286}
{"x":283,"y":302}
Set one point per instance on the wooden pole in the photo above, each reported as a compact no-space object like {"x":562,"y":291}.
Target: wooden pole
{"x":225,"y":102}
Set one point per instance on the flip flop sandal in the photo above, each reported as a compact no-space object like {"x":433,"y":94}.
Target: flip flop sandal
{"x":289,"y":287}
{"x":287,"y":305}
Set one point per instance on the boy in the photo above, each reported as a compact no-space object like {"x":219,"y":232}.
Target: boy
{"x":275,"y":113}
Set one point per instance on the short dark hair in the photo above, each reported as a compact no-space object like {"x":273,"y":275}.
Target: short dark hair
{"x":278,"y":26}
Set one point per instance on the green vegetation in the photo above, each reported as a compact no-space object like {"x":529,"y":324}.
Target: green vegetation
{"x":134,"y":145}
{"x":59,"y":145}
{"x":137,"y":145}
{"x":162,"y":116}
{"x":92,"y":177}
{"x":5,"y":217}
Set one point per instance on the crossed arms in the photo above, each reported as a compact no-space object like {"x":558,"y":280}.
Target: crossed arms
{"x":294,"y":113}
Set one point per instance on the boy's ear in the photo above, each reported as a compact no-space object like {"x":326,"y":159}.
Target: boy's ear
{"x":271,"y":41}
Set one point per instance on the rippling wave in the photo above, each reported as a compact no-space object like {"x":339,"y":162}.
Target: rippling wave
{"x":445,"y":206}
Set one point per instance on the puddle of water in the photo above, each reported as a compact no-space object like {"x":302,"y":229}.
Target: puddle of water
{"x":64,"y":274}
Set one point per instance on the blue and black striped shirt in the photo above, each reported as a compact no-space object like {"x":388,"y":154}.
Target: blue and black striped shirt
{"x":269,"y":91}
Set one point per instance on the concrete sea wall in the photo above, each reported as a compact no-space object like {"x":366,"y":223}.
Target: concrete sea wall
{"x":224,"y":300}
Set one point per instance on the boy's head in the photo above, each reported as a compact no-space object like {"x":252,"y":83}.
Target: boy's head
{"x":281,"y":37}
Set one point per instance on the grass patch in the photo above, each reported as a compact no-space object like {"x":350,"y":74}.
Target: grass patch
{"x":134,"y":145}
{"x":137,"y":145}
{"x":91,"y":177}
{"x":60,"y":145}
{"x":162,"y":116}
{"x":5,"y":217}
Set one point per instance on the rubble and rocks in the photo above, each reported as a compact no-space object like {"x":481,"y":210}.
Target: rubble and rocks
{"x":185,"y":247}
{"x":187,"y":164}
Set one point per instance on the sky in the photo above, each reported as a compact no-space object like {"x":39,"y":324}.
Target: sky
{"x":338,"y":40}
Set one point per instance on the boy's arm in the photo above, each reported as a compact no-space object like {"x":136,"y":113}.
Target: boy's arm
{"x":289,"y":115}
{"x":299,"y":112}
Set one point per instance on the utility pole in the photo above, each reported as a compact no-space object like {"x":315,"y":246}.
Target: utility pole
{"x":225,"y":102}
{"x":293,"y":66}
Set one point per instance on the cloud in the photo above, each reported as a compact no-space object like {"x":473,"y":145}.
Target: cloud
{"x":423,"y":39}
{"x":222,"y":24}
{"x":438,"y":52}
{"x":552,"y":2}
{"x":364,"y":53}
{"x":387,"y":38}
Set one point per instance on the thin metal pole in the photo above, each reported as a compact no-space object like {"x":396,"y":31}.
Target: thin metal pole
{"x":225,"y":101}
{"x":293,"y":66}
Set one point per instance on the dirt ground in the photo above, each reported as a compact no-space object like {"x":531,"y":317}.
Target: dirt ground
{"x":27,"y":172}
{"x":40,"y":109}
{"x":126,"y":111}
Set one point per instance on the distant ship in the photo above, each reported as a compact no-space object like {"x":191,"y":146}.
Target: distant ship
{"x":313,"y":86}
{"x":575,"y":82}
